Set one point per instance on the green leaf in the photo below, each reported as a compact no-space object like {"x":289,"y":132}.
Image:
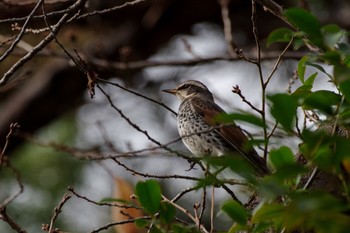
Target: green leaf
{"x":280,"y":35}
{"x":149,"y":195}
{"x":268,"y":212}
{"x":311,"y":211}
{"x":320,"y":148}
{"x":237,"y":164}
{"x":289,"y":171}
{"x":307,"y":23}
{"x":319,"y":68}
{"x":261,"y":227}
{"x":322,"y":100}
{"x":177,"y":228}
{"x":167,"y":212}
{"x":345,"y":89}
{"x":342,"y":150}
{"x":238,"y":228}
{"x":155,"y":229}
{"x":310,"y":80}
{"x":341,"y":73}
{"x":236,"y":211}
{"x":332,"y":34}
{"x":272,"y":187}
{"x":302,"y":68}
{"x":298,"y":43}
{"x":332,"y":57}
{"x":304,"y":90}
{"x":347,"y":61}
{"x":281,"y":157}
{"x":141,"y":222}
{"x":345,"y":116}
{"x":246,"y":117}
{"x":108,"y":199}
{"x":283,"y":109}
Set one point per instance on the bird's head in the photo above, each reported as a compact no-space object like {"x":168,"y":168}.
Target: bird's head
{"x":188,"y":89}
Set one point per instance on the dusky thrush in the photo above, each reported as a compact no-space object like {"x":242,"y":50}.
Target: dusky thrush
{"x":200,"y":132}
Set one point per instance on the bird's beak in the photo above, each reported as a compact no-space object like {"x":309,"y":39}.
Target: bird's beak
{"x":171,"y":91}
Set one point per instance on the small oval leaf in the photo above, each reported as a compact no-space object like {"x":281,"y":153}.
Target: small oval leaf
{"x":283,"y":109}
{"x":307,"y":23}
{"x":279,"y":35}
{"x":149,"y":195}
{"x":281,"y":157}
{"x":237,"y":212}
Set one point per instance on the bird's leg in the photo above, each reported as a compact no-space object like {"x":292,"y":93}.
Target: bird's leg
{"x":252,"y":198}
{"x":192,"y":164}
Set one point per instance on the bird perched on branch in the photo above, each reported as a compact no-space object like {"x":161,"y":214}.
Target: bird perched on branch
{"x":202,"y":134}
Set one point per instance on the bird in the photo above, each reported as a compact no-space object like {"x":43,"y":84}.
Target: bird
{"x":203,"y":135}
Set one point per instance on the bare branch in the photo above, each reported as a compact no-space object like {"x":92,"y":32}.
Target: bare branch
{"x":21,"y":33}
{"x":99,"y":12}
{"x":238,"y":91}
{"x":232,"y":48}
{"x":58,"y":210}
{"x":147,"y":175}
{"x":13,"y":126}
{"x":138,"y":128}
{"x":139,"y":94}
{"x":136,"y":65}
{"x":275,"y":9}
{"x":72,"y":9}
{"x":100,"y":203}
{"x":4,"y":216}
{"x":279,"y":59}
{"x":186,"y":212}
{"x":76,"y":62}
{"x":8,"y":200}
{"x":120,"y":223}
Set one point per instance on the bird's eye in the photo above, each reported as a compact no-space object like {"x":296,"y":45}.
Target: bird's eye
{"x":183,"y":87}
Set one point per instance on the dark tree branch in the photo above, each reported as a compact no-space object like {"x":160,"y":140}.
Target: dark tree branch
{"x":72,"y":10}
{"x":6,"y":218}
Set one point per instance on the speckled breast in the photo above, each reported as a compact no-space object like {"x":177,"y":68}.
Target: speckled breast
{"x":197,"y":135}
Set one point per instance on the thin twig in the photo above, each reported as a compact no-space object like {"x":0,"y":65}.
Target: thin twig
{"x":120,"y":223}
{"x":13,"y":126}
{"x":61,"y":12}
{"x":275,"y":9}
{"x":147,"y":175}
{"x":21,"y":33}
{"x":279,"y":59}
{"x":76,"y":62}
{"x":136,"y":65}
{"x":138,"y":94}
{"x":212,"y":210}
{"x":71,"y":189}
{"x":237,"y":90}
{"x":225,"y":15}
{"x":261,"y":77}
{"x":8,"y":200}
{"x":187,"y":213}
{"x":273,"y":130}
{"x":311,"y":178}
{"x":109,"y":10}
{"x":58,"y":210}
{"x":183,"y":192}
{"x":6,"y":218}
{"x":136,"y":127}
{"x":203,"y":205}
{"x":76,"y":6}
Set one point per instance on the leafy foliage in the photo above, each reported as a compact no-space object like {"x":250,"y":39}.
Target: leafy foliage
{"x":307,"y":190}
{"x":286,"y":201}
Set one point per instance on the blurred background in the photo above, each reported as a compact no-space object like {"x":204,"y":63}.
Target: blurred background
{"x":49,"y":98}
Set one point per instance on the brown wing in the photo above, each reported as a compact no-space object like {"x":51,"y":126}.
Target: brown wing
{"x":231,"y":133}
